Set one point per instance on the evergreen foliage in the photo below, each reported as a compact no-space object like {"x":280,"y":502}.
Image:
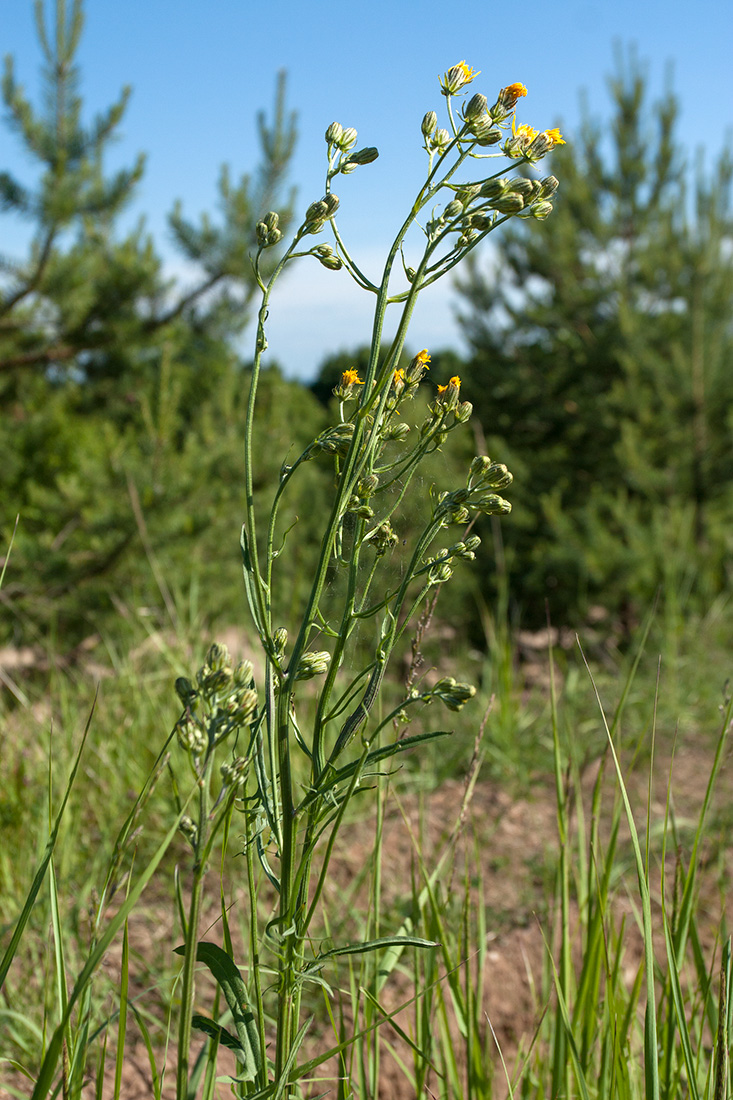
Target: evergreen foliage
{"x":602,"y":367}
{"x":119,"y":390}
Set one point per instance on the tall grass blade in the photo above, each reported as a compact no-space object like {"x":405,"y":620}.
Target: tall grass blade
{"x":45,"y":861}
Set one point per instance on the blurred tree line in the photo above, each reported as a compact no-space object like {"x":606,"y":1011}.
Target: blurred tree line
{"x":601,"y":369}
{"x":601,"y":349}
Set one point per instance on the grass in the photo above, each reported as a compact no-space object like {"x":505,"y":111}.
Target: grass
{"x":627,"y":891}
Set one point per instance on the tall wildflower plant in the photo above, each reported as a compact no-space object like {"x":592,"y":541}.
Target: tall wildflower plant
{"x":287,"y":762}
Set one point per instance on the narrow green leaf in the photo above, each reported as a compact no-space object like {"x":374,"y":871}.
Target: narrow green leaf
{"x":229,"y":980}
{"x":43,"y":867}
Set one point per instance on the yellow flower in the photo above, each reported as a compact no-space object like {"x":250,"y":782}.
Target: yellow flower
{"x":451,"y":389}
{"x":457,"y":77}
{"x":351,"y":378}
{"x":523,"y":132}
{"x":423,"y":358}
{"x":399,"y":377}
{"x":554,"y":136}
{"x":508,"y":96}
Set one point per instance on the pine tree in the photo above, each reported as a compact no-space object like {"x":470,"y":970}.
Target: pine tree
{"x":605,"y":352}
{"x":94,"y":338}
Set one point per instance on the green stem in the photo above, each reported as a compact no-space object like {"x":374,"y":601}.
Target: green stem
{"x":188,"y":983}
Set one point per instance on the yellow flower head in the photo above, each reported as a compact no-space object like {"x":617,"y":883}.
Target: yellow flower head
{"x":451,"y":389}
{"x":399,"y":377}
{"x":523,"y":132}
{"x":508,"y":96}
{"x":554,"y":136}
{"x":351,"y":378}
{"x":423,"y":358}
{"x":456,"y":78}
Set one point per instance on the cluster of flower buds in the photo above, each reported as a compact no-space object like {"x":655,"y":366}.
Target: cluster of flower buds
{"x":465,"y":549}
{"x":313,"y":664}
{"x":334,"y":441}
{"x":267,"y":230}
{"x":344,"y":140}
{"x":326,"y":257}
{"x":222,"y":699}
{"x":484,"y":475}
{"x":452,"y":693}
{"x":319,"y":212}
{"x":234,"y":774}
{"x":480,"y":124}
{"x":437,"y":139}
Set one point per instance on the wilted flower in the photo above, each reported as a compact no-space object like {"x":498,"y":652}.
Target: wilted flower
{"x":383,"y":537}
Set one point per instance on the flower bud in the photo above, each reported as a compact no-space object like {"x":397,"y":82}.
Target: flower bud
{"x":217,"y":681}
{"x":243,"y":674}
{"x":440,"y":139}
{"x":491,"y":189}
{"x":316,"y":212}
{"x":548,"y":187}
{"x":452,"y":210}
{"x":429,"y":123}
{"x":479,"y":221}
{"x":332,"y":204}
{"x":509,"y":203}
{"x":271,"y":219}
{"x":280,"y":640}
{"x":191,"y":736}
{"x":367,"y":486}
{"x":274,"y":237}
{"x":479,"y":466}
{"x":484,"y":132}
{"x":185,"y":690}
{"x":188,"y":827}
{"x":398,"y":433}
{"x":439,"y":573}
{"x":332,"y":263}
{"x":334,"y":133}
{"x":476,"y":106}
{"x":364,"y":156}
{"x":261,"y":234}
{"x":463,"y":411}
{"x":234,"y":774}
{"x":472,"y":542}
{"x":218,"y":657}
{"x":336,"y":440}
{"x":493,"y":505}
{"x":521,"y":186}
{"x":347,"y":140}
{"x":242,"y":706}
{"x":541,"y":210}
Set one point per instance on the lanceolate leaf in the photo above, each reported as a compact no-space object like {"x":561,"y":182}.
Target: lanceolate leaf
{"x":229,"y":980}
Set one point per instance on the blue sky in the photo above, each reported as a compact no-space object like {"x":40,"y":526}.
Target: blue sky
{"x":200,"y":72}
